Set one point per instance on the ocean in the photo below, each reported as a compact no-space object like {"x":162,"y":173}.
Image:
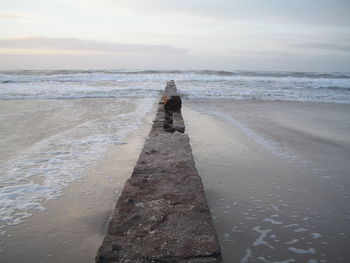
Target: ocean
{"x":204,"y":84}
{"x":287,"y":130}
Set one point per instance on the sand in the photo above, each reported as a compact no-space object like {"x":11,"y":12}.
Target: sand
{"x":276,"y":175}
{"x":72,"y":227}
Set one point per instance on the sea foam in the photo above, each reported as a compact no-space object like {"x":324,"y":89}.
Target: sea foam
{"x":206,"y":84}
{"x":42,"y":171}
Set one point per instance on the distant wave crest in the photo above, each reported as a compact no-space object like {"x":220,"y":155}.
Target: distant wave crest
{"x":206,"y":84}
{"x":277,"y":74}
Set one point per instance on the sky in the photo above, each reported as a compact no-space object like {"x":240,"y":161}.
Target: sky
{"x":282,"y":35}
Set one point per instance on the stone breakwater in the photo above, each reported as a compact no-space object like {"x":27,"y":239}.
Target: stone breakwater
{"x":162,"y":213}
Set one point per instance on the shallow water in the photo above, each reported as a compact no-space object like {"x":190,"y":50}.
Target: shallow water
{"x":209,"y":84}
{"x":57,"y":124}
{"x":47,"y":144}
{"x":276,"y":178}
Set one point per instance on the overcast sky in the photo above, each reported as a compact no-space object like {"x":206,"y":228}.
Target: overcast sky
{"x":298,"y":35}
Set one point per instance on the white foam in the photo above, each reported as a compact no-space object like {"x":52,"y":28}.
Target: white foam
{"x":260,"y":240}
{"x":275,"y":207}
{"x":236,"y":230}
{"x":43,"y":171}
{"x":269,"y":261}
{"x":300,"y":230}
{"x":290,"y":225}
{"x":247,"y":255}
{"x":267,"y":144}
{"x":240,"y":85}
{"x":274,"y":215}
{"x":302,"y":251}
{"x":316,"y":235}
{"x":294,"y":241}
{"x":272,"y":221}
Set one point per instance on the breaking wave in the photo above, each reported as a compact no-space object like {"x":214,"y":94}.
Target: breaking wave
{"x":207,"y":84}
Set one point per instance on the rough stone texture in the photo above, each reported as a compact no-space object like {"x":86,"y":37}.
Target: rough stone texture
{"x":162,"y":214}
{"x":178,"y":122}
{"x":170,"y":89}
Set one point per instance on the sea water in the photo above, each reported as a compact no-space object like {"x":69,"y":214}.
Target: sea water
{"x":31,"y":173}
{"x":276,"y":176}
{"x":205,"y":84}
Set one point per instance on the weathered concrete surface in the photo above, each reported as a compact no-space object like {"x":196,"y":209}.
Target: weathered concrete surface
{"x":162,"y":214}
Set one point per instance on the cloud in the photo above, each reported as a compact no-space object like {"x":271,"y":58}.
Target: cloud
{"x":267,"y":53}
{"x":325,"y":12}
{"x":79,"y":45}
{"x":17,"y":15}
{"x":323,"y":46}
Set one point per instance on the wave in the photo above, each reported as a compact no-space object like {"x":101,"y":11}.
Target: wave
{"x":243,"y":73}
{"x":337,"y":88}
{"x":68,"y":97}
{"x":82,"y":94}
{"x":38,"y":80}
{"x":75,"y":72}
{"x":210,"y":84}
{"x":275,"y":74}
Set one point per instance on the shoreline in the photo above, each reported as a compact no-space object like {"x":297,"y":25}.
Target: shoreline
{"x":275,"y":177}
{"x":265,"y":204}
{"x":72,"y":227}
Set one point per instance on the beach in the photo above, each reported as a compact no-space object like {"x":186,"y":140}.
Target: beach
{"x":275,"y":176}
{"x":272,"y":149}
{"x":66,"y":223}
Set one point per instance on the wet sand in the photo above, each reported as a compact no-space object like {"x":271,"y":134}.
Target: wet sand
{"x":72,"y":227}
{"x":276,"y":176}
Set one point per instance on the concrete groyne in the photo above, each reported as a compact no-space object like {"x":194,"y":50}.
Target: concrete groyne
{"x":162,"y":214}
